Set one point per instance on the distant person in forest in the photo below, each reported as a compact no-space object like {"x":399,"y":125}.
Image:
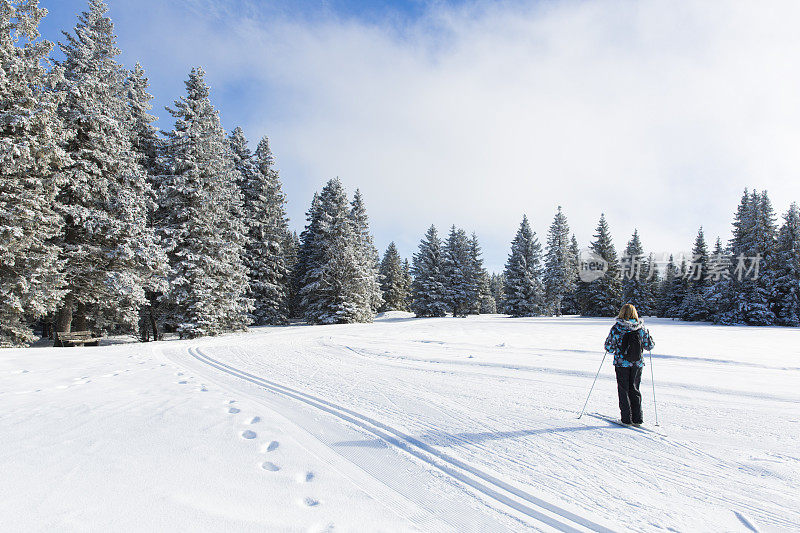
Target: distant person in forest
{"x":627,"y":340}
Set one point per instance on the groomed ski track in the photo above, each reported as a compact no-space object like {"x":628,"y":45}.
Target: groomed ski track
{"x":536,"y":512}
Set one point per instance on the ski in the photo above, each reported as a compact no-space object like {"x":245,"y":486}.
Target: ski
{"x":619,"y":423}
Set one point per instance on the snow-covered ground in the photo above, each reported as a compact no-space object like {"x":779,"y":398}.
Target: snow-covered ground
{"x":402,"y":425}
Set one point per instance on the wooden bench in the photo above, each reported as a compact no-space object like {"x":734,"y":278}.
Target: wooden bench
{"x":75,"y":338}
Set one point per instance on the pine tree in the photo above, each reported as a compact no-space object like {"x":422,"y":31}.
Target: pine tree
{"x":745,"y":295}
{"x":31,"y":159}
{"x":291,"y":251}
{"x":679,"y":290}
{"x":635,"y":282}
{"x":603,"y":296}
{"x":524,"y":291}
{"x":243,"y":162}
{"x":336,"y":283}
{"x":147,"y":147}
{"x":786,"y":291}
{"x":569,"y":304}
{"x":456,"y":267}
{"x":488,"y":305}
{"x":666,"y":298}
{"x":328,"y":259}
{"x":694,"y":305}
{"x":496,"y":285}
{"x":143,"y":135}
{"x":730,"y":292}
{"x":267,"y":227}
{"x":762,"y":287}
{"x":307,"y":255}
{"x":560,"y":272}
{"x":700,"y":261}
{"x":652,"y":283}
{"x":108,"y":248}
{"x":718,"y":274}
{"x":481,"y":299}
{"x":202,"y":223}
{"x":429,"y":294}
{"x":393,"y":281}
{"x":406,"y":286}
{"x":369,"y":260}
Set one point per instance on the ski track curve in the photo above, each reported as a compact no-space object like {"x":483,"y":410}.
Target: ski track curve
{"x":564,"y":372}
{"x":531,"y":507}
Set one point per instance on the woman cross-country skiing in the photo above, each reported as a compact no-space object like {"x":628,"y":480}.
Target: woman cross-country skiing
{"x":627,"y":340}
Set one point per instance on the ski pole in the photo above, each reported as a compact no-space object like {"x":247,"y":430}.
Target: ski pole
{"x":593,"y":382}
{"x":653,"y":382}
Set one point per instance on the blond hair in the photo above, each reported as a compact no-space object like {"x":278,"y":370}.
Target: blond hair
{"x":628,"y":312}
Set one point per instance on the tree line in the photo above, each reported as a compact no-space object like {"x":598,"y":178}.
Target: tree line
{"x":754,"y":279}
{"x":108,"y":224}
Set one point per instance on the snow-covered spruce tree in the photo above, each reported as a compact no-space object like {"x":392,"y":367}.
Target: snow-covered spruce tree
{"x":144,"y":136}
{"x":407,"y":280}
{"x":404,"y":285}
{"x":307,"y":255}
{"x":332,"y":286}
{"x":603,"y":296}
{"x":108,"y":249}
{"x":368,"y":260}
{"x":699,"y":276}
{"x":496,"y":284}
{"x":487,"y":301}
{"x":694,"y":305}
{"x":652,"y":283}
{"x":474,"y":273}
{"x":560,"y":267}
{"x":729,"y":292}
{"x":523,"y":289}
{"x":244,"y":164}
{"x":747,"y":300}
{"x":393,"y":281}
{"x":762,"y":287}
{"x":291,"y":250}
{"x":665,"y":298}
{"x":458,"y":273}
{"x":716,"y":291}
{"x":635,"y":283}
{"x":267,"y":228}
{"x":202,"y":229}
{"x":482,"y":299}
{"x":678,"y":290}
{"x":569,"y":304}
{"x":148,"y":147}
{"x":786,"y":267}
{"x":429,"y":294}
{"x":277,"y":232}
{"x":31,"y":159}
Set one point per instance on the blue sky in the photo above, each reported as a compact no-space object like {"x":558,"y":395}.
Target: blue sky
{"x":475,"y":112}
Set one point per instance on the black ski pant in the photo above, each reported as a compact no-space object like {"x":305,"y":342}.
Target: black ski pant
{"x":630,"y":399}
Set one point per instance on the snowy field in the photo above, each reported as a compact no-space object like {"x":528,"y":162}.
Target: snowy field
{"x":402,"y":425}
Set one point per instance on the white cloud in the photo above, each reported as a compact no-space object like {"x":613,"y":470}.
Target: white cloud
{"x":658,"y":113}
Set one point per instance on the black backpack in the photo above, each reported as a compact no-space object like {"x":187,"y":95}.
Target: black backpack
{"x":632,"y":346}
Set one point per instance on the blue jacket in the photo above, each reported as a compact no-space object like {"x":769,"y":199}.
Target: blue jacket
{"x":614,"y":340}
